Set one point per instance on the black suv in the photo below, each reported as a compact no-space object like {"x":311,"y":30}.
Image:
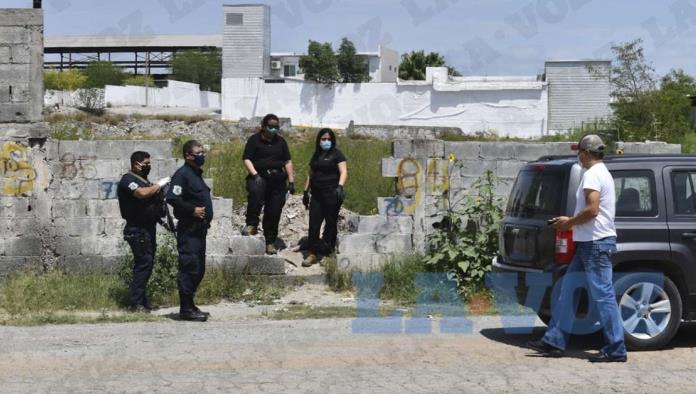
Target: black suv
{"x":656,"y":226}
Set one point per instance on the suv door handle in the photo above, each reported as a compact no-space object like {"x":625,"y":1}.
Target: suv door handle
{"x":689,"y":235}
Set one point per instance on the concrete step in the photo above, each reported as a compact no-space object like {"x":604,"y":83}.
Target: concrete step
{"x":257,"y":265}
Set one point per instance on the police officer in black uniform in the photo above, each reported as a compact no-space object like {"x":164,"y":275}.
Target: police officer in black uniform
{"x":271,"y":177}
{"x":324,"y":195}
{"x":193,"y":207}
{"x":140,"y":203}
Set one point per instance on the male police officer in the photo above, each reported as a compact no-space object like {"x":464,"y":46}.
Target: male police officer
{"x":141,"y":205}
{"x":190,"y":197}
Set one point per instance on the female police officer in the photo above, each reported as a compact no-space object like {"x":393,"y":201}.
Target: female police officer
{"x":271,"y":176}
{"x":327,"y":176}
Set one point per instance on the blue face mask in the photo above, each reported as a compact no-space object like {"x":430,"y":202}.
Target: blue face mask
{"x":272,"y":130}
{"x":199,"y":159}
{"x":325,"y":145}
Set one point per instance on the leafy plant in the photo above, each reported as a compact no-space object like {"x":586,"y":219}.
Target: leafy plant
{"x":101,"y":73}
{"x":413,"y":65}
{"x":162,"y":284}
{"x":352,"y":69}
{"x":201,"y":67}
{"x":64,"y":80}
{"x":139,"y":80}
{"x":320,"y":64}
{"x":466,"y":240}
{"x":91,"y":100}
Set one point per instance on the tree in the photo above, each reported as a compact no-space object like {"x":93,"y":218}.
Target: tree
{"x":201,"y":67}
{"x":320,"y":63}
{"x":413,"y":65}
{"x":101,"y":73}
{"x":64,"y":80}
{"x":641,"y":109}
{"x":351,"y":68}
{"x":139,"y":80}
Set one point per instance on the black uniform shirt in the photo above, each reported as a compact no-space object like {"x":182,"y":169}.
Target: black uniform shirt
{"x":325,"y":173}
{"x":267,"y":155}
{"x":132,"y":208}
{"x":187,"y":192}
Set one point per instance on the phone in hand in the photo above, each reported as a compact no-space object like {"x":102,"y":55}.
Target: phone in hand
{"x":551,"y":221}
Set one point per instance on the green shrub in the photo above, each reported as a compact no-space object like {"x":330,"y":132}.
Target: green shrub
{"x":64,"y":80}
{"x":162,"y":287}
{"x":100,"y":74}
{"x":139,"y":80}
{"x":466,"y":240}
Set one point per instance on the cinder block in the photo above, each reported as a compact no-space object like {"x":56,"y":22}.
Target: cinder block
{"x":101,"y":246}
{"x":394,"y":244}
{"x":69,"y":208}
{"x":16,"y":207}
{"x":217,"y":246}
{"x":71,"y":151}
{"x":382,"y":224}
{"x":532,"y":152}
{"x":87,"y":227}
{"x":21,"y":54}
{"x":419,"y":149}
{"x":361,"y":262}
{"x":19,"y":227}
{"x":473,"y":168}
{"x":113,"y":227}
{"x":653,"y":148}
{"x":390,"y":167}
{"x":103,"y":189}
{"x":356,"y":243}
{"x":394,"y":206}
{"x":102,"y":208}
{"x":497,"y":150}
{"x":156,"y":149}
{"x":266,"y":265}
{"x":223,"y":207}
{"x":13,"y":34}
{"x":119,"y":150}
{"x":13,"y":73}
{"x":67,"y":246}
{"x":23,"y":246}
{"x":508,"y":168}
{"x":68,"y":189}
{"x":222,"y":227}
{"x":9,"y":264}
{"x":247,"y":246}
{"x":82,"y":263}
{"x":463,"y":150}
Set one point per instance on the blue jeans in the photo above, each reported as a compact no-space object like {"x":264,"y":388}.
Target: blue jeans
{"x":591,"y":268}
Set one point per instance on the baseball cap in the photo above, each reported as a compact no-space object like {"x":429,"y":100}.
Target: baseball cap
{"x":592,"y":143}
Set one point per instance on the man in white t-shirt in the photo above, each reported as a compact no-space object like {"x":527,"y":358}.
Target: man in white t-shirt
{"x":594,"y":235}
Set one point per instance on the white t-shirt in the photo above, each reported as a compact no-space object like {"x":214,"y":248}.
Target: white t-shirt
{"x":599,"y":179}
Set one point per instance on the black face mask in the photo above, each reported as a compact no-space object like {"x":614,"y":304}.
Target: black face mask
{"x":145,"y":170}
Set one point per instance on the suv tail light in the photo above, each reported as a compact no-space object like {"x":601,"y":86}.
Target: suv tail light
{"x":565,"y":247}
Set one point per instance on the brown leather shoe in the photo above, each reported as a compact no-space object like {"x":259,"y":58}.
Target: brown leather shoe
{"x":270,"y":249}
{"x":250,"y":230}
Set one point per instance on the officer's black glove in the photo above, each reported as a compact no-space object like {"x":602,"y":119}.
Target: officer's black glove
{"x":340,"y":194}
{"x":291,"y":187}
{"x":305,"y":199}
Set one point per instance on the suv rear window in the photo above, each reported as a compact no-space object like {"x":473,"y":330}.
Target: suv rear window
{"x":536,"y":193}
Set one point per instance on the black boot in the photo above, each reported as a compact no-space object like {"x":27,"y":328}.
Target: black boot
{"x":188,"y":311}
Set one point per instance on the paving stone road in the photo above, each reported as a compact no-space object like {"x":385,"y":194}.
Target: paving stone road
{"x":318,"y":356}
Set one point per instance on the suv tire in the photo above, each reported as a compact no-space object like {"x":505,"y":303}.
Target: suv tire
{"x":650,"y":307}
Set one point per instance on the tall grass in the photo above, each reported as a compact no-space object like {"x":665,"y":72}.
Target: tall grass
{"x":365,"y":181}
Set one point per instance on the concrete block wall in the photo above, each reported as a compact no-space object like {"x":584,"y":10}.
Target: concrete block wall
{"x":59,"y":208}
{"x":424,"y":169}
{"x":21,"y":65}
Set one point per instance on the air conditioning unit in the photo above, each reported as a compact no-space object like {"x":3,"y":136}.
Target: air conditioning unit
{"x":276,"y":65}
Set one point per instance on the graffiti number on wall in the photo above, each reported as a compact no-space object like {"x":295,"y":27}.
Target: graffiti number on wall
{"x":17,"y":173}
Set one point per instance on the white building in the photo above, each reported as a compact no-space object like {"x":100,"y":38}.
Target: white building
{"x":382,"y":65}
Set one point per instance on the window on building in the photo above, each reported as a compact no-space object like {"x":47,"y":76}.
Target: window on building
{"x":635,"y":193}
{"x":234,"y":19}
{"x":290,"y":70}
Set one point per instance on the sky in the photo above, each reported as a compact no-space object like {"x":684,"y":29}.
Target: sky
{"x":478,"y":37}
